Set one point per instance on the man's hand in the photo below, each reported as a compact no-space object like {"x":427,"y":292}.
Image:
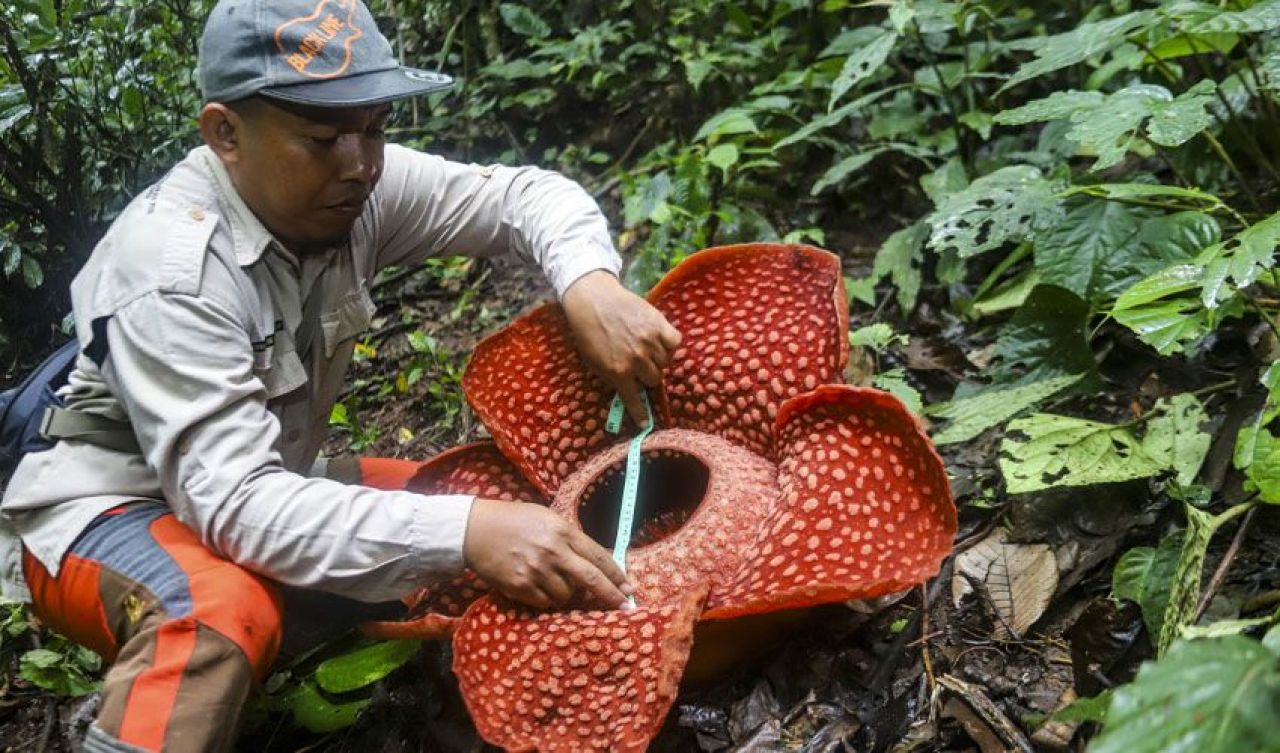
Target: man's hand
{"x":534,"y":556}
{"x":623,"y":339}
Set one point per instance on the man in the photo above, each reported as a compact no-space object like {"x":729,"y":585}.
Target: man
{"x":217,"y":317}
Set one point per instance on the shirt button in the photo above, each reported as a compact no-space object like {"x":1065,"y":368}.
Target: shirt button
{"x":196,"y":215}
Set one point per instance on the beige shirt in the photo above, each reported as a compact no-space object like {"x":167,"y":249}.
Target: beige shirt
{"x":201,"y":311}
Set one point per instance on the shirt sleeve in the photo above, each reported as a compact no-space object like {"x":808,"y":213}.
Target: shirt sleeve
{"x":429,"y":206}
{"x":183,"y":367}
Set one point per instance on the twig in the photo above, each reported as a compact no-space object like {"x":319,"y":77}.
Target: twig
{"x":924,"y":640}
{"x":1220,"y":574}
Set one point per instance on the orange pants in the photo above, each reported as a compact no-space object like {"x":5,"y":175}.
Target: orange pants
{"x":188,"y":633}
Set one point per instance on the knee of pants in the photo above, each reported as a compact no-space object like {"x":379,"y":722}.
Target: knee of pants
{"x":241,"y":606}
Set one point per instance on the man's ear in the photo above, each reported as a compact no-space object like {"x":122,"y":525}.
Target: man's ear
{"x":222,"y":129}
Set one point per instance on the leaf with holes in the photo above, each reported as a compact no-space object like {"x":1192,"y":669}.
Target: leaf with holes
{"x":1184,"y":591}
{"x":973,"y":415}
{"x":1156,"y":310}
{"x":1144,"y":575}
{"x":899,"y":259}
{"x":1018,"y":579}
{"x":1219,"y":695}
{"x":1081,"y":43}
{"x":1067,"y":451}
{"x":1009,"y":205}
{"x":1258,"y":455}
{"x":1174,"y":438}
{"x":861,"y":64}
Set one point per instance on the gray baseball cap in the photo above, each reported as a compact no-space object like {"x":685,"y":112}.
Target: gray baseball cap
{"x":325,"y":53}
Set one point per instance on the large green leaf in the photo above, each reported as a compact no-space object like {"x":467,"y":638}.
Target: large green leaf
{"x":971,"y":416}
{"x":1108,"y":125}
{"x":1174,"y":438}
{"x":523,"y":21}
{"x":1265,"y":16}
{"x":1089,"y":248}
{"x":313,"y":712}
{"x":1144,"y":575}
{"x":899,"y":260}
{"x":1046,"y":338}
{"x":1067,"y":451}
{"x":1258,"y":455}
{"x":1218,"y":695}
{"x":1238,"y":260}
{"x":1184,"y":590}
{"x":1006,"y":206}
{"x":861,"y":64}
{"x":1081,"y":43}
{"x":1155,"y":309}
{"x":364,"y":666}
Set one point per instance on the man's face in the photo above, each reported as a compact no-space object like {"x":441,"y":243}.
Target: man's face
{"x":307,"y":171}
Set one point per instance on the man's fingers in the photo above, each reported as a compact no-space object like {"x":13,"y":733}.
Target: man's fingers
{"x":647,"y":372}
{"x":592,"y":581}
{"x":599,"y":557}
{"x":630,"y":393}
{"x":670,"y":336}
{"x":555,"y":586}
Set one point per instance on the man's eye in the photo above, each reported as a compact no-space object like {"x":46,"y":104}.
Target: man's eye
{"x":323,"y":140}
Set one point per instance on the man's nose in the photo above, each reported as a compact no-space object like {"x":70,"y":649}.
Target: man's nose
{"x":358,"y":158}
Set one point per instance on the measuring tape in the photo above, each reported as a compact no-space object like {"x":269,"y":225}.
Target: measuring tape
{"x":631,"y":479}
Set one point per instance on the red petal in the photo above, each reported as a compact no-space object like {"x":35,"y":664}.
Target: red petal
{"x":761,"y":323}
{"x":543,"y":406}
{"x":865,"y":509}
{"x":478,"y":469}
{"x":571,"y":681}
{"x":711,"y":528}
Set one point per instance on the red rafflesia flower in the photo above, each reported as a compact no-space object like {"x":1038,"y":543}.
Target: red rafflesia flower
{"x":769,"y":489}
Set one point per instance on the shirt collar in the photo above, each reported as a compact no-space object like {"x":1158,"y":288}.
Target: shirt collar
{"x":249,"y":236}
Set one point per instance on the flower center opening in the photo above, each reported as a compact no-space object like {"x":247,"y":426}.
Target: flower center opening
{"x":672,"y":485}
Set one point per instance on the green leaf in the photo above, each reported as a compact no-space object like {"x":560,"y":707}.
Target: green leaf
{"x":1238,"y":260}
{"x":1046,"y":338}
{"x":899,"y":259}
{"x":730,"y":122}
{"x":1006,"y":206}
{"x":1093,"y":709}
{"x":1265,"y":16}
{"x":1066,"y":451}
{"x":832,"y":118}
{"x":1192,"y":44}
{"x":971,"y":416}
{"x":1174,"y":438}
{"x":1122,"y":191}
{"x":862,"y":64}
{"x":1166,"y":325}
{"x":878,"y":337}
{"x":364,"y":666}
{"x":949,"y":178}
{"x":1081,"y":43}
{"x":723,"y":156}
{"x":1144,"y":575}
{"x":1223,"y":628}
{"x":12,"y":258}
{"x":1258,"y":455}
{"x":1184,"y":593}
{"x":315,"y":713}
{"x":843,"y":169}
{"x":895,"y":383}
{"x":523,"y":21}
{"x":338,"y":415}
{"x":1219,"y":695}
{"x":32,"y":274}
{"x":1110,"y":129}
{"x":1177,"y":122}
{"x":1084,"y":251}
{"x":979,"y":122}
{"x":1059,"y":105}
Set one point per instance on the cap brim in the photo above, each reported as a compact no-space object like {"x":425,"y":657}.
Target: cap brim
{"x":362,"y":89}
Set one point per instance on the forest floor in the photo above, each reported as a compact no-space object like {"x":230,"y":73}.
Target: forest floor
{"x":957,"y":665}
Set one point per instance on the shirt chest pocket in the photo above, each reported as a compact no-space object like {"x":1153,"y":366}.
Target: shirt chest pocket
{"x":277,"y":365}
{"x":349,"y":318}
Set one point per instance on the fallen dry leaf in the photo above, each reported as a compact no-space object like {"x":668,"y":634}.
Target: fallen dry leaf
{"x":1018,"y":579}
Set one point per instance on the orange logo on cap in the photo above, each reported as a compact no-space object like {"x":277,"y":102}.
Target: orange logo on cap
{"x":330,"y":27}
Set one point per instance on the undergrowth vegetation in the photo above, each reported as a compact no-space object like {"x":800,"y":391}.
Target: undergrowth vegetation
{"x":1083,"y":196}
